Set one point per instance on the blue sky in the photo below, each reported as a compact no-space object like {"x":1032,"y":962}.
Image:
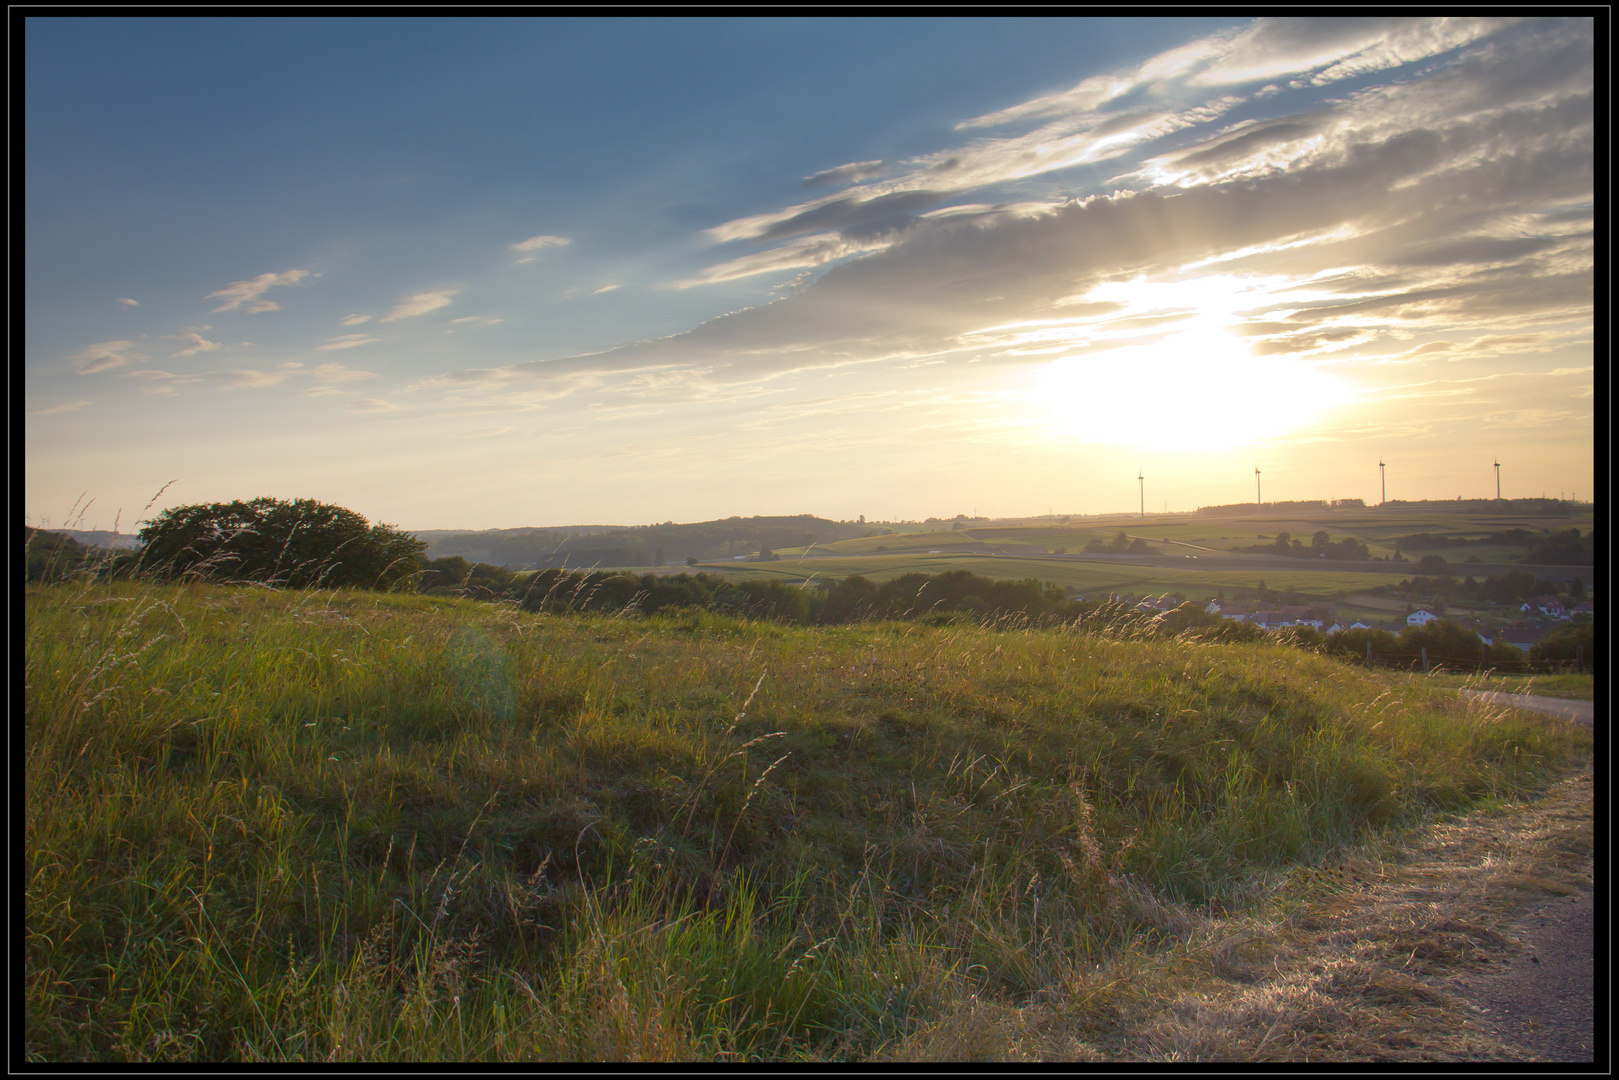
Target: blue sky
{"x":489,"y":273}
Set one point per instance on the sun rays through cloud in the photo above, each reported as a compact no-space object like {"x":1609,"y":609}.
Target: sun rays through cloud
{"x":1303,"y":236}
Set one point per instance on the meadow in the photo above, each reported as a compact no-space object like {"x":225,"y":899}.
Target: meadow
{"x":1231,"y":530}
{"x":278,"y":825}
{"x":1088,"y":577}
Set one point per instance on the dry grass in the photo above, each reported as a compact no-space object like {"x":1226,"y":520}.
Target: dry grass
{"x":1354,"y":962}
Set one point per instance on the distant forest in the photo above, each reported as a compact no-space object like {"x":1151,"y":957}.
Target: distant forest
{"x":640,"y":545}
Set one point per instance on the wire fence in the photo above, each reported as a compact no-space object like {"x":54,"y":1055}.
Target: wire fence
{"x":1422,"y":661}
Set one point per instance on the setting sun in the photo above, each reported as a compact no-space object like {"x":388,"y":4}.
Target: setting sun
{"x":1195,"y":389}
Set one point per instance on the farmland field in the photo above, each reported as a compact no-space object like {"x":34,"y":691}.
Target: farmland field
{"x":1197,"y":556}
{"x":1086,"y":576}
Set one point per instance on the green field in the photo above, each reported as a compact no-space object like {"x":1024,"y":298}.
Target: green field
{"x":1087,"y":577}
{"x":1376,"y":526}
{"x":317,"y":826}
{"x":907,"y":551}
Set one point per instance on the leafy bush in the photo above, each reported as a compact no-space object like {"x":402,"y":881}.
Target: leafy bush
{"x":1566,"y":548}
{"x":1561,"y":649}
{"x":296,"y":544}
{"x":51,"y":556}
{"x":454,"y":574}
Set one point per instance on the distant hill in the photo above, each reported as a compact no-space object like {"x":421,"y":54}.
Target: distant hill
{"x":102,"y":538}
{"x":638,"y":545}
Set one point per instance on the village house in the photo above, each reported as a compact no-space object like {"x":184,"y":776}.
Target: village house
{"x":1548,"y":605}
{"x":1522,"y":635}
{"x":1420,"y":617}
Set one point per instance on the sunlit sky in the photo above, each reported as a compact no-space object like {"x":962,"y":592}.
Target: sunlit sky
{"x":499,"y":272}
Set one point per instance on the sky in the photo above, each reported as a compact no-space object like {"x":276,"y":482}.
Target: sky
{"x":489,"y":273}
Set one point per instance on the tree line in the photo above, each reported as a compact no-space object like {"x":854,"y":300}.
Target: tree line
{"x":306,"y":544}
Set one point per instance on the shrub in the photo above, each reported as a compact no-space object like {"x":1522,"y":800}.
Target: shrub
{"x":1559,"y":650}
{"x":297,"y":544}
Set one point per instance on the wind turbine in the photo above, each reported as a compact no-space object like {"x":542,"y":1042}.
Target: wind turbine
{"x":1497,"y":479}
{"x":1383,"y":474}
{"x":1258,"y":499}
{"x":1142,"y":480}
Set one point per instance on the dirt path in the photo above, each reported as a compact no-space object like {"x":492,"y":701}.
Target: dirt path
{"x":1470,"y":941}
{"x":1583,"y":712}
{"x":1543,"y":1000}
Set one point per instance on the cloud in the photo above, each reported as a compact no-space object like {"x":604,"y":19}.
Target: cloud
{"x":337,"y":373}
{"x":348,"y":341}
{"x":198,"y":343}
{"x":106,"y":354}
{"x":354,"y":320}
{"x":1343,"y":47}
{"x":66,"y":406}
{"x":537,"y":244}
{"x":604,"y":288}
{"x":371,"y":405}
{"x":245,"y":295}
{"x":419,"y":304}
{"x":249,"y":378}
{"x":127,"y":302}
{"x":1449,"y":200}
{"x":888,"y":202}
{"x":845,"y":174}
{"x":472,"y":322}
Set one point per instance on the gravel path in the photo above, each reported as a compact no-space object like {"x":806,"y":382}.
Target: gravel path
{"x":1582,"y":712}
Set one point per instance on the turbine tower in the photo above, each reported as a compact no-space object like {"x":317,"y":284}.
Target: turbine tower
{"x":1142,"y":480}
{"x":1497,"y":479}
{"x":1383,"y":474}
{"x":1258,"y":499}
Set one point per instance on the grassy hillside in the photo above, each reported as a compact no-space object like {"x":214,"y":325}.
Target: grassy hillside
{"x":640,"y":545}
{"x":337,"y":826}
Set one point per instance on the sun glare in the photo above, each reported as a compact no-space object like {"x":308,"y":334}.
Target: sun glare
{"x":1200,"y":388}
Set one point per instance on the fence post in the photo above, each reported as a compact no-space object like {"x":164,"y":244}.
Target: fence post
{"x":1425,"y":658}
{"x":1368,"y":655}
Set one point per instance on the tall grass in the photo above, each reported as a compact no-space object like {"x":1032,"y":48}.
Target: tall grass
{"x":294,"y":826}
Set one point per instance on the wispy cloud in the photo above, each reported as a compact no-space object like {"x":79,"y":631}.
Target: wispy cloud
{"x":851,"y":173}
{"x":127,"y":302}
{"x":372,"y":405}
{"x":196,"y":343}
{"x":105,"y":355}
{"x":337,"y":373}
{"x":472,"y":322}
{"x":355,"y":320}
{"x":248,"y":378}
{"x":419,"y":304}
{"x":1336,"y":48}
{"x":246,"y":295}
{"x":347,"y":341}
{"x":66,"y":406}
{"x":536,"y":244}
{"x":1447,"y":201}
